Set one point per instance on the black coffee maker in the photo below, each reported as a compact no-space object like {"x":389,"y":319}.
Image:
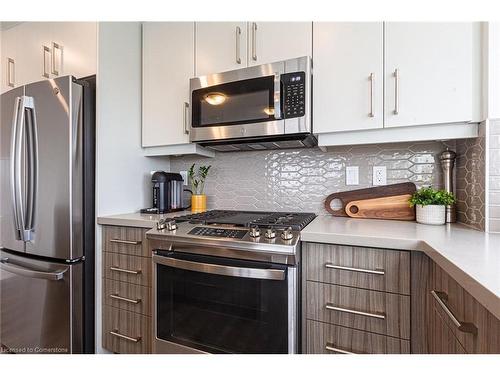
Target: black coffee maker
{"x":168,"y":191}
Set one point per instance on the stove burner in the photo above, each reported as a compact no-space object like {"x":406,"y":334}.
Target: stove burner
{"x":275,"y":220}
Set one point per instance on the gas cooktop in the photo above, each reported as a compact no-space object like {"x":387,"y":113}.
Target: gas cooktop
{"x":264,"y":220}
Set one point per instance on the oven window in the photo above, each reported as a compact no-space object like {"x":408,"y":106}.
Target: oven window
{"x":222,"y":314}
{"x":233,"y":103}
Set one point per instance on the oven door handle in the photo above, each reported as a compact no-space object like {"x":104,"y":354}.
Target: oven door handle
{"x":217,"y":269}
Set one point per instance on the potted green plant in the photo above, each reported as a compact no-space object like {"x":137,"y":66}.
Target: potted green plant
{"x":197,"y":179}
{"x":431,"y":205}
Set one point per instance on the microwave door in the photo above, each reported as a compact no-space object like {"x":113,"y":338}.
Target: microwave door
{"x":12,"y":170}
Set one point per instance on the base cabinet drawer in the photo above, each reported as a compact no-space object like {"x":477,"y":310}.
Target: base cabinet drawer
{"x":125,"y":240}
{"x":127,"y":268}
{"x":325,"y":338}
{"x":441,"y":339}
{"x":367,"y":310}
{"x":360,"y":267}
{"x":126,"y":332}
{"x":126,"y":296}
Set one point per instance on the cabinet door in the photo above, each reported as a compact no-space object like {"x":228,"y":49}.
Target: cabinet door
{"x":10,"y":60}
{"x":220,"y":46}
{"x":428,"y":73}
{"x":440,"y":336}
{"x":75,"y":48}
{"x":348,"y":76}
{"x":275,"y":41}
{"x":168,"y":63}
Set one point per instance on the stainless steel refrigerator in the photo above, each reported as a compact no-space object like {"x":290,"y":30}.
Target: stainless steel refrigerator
{"x":47,"y":217}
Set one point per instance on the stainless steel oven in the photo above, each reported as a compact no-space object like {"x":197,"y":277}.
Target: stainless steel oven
{"x":220,"y":304}
{"x":259,"y":107}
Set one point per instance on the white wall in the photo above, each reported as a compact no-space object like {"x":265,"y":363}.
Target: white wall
{"x":123,"y":173}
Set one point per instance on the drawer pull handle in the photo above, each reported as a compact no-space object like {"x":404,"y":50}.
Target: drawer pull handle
{"x":117,"y":269}
{"x":332,"y":348}
{"x":116,"y":240}
{"x":364,"y":270}
{"x":330,"y":306}
{"x":120,"y":298}
{"x":442,"y":298}
{"x":125,"y":337}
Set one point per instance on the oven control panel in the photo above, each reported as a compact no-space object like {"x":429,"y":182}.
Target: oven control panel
{"x":294,"y":94}
{"x":218,"y":232}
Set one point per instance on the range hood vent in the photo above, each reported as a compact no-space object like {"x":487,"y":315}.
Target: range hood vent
{"x":306,"y":140}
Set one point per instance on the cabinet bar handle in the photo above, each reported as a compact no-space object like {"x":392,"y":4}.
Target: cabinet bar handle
{"x":396,"y":92}
{"x":56,"y":47}
{"x":332,"y":348}
{"x":330,"y":306}
{"x":117,"y":240}
{"x":372,"y":93}
{"x":45,"y":51}
{"x":125,"y":337}
{"x":117,"y":269}
{"x":238,"y":48}
{"x":254,"y":41}
{"x":120,"y":298}
{"x":185,"y":108}
{"x":11,"y":72}
{"x":442,"y":298}
{"x":364,"y":270}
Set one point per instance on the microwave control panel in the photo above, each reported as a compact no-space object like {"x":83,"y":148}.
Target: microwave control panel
{"x":294,"y":94}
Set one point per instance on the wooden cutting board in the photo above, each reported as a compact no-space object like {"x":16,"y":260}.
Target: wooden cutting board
{"x":389,"y":208}
{"x":343,"y":198}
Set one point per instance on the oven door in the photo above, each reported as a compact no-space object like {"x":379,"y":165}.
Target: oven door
{"x":219,"y":305}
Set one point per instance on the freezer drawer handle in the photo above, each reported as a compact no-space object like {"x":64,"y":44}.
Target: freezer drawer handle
{"x":364,"y":270}
{"x":332,"y":348}
{"x":442,"y":298}
{"x":330,"y":306}
{"x":217,"y":269}
{"x":125,"y":337}
{"x":125,"y":299}
{"x":22,"y":271}
{"x":116,"y":240}
{"x":117,"y":269}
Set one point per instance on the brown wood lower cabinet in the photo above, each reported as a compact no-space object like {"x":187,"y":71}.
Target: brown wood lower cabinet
{"x":331,"y":339}
{"x":125,"y":331}
{"x":126,"y":291}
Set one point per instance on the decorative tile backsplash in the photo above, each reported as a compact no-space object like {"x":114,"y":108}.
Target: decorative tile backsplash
{"x":470,"y":182}
{"x":300,"y":179}
{"x":494,"y":176}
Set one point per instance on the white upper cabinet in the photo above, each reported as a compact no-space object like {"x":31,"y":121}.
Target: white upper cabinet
{"x":429,"y":73}
{"x":348,"y":76}
{"x":168,"y":64}
{"x":276,"y":41}
{"x":220,"y":46}
{"x":47,"y":50}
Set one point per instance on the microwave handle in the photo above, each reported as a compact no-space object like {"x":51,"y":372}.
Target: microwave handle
{"x":277,"y":95}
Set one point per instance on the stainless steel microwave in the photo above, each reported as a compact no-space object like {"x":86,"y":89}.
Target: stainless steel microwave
{"x":260,"y":107}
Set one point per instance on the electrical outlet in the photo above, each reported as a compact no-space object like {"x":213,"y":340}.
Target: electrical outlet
{"x":352,"y":175}
{"x":379,"y":175}
{"x":184,"y":175}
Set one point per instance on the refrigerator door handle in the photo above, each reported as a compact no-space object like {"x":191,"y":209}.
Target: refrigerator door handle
{"x":5,"y":265}
{"x":15,"y":167}
{"x":32,"y":180}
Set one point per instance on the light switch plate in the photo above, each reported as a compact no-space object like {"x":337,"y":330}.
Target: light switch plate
{"x":352,"y":175}
{"x":379,"y":175}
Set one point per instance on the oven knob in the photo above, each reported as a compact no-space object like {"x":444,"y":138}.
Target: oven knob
{"x":270,"y":233}
{"x":171,"y":225}
{"x":287,"y":234}
{"x":254,"y":232}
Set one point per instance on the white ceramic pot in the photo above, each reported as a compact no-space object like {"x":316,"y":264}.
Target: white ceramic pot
{"x":431,"y":214}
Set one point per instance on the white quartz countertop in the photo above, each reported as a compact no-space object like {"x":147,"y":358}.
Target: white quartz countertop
{"x":137,"y":219}
{"x":471,"y":257}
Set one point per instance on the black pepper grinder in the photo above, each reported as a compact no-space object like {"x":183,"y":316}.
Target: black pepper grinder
{"x":448,"y":163}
